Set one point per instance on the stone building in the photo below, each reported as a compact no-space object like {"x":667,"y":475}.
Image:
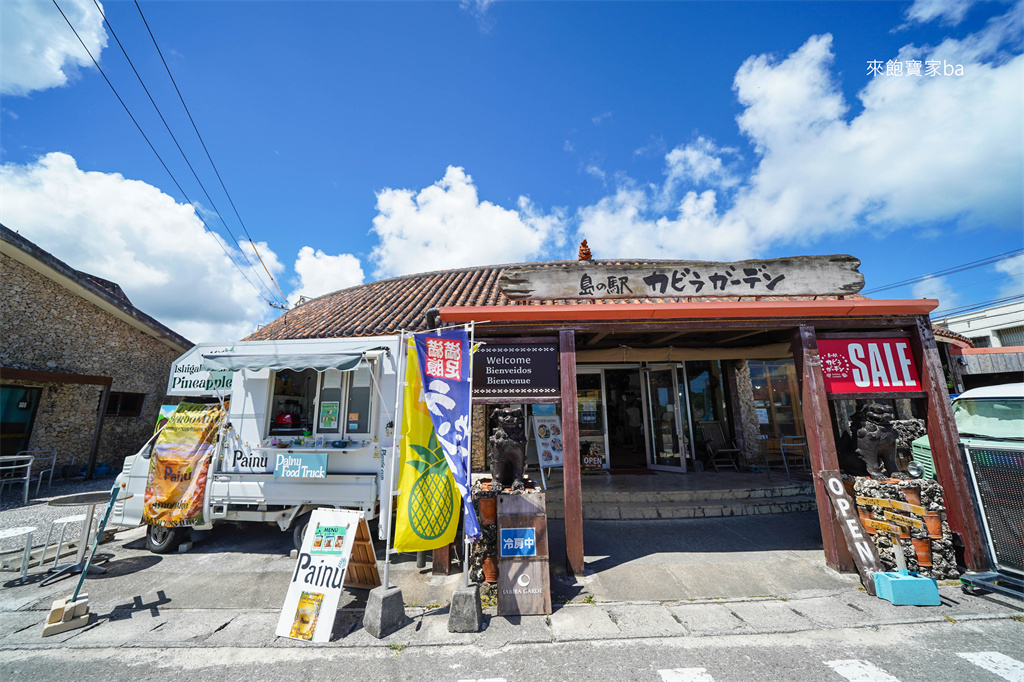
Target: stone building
{"x":82,"y":370}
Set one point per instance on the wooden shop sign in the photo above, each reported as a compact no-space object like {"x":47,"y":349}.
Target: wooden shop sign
{"x":524,"y":583}
{"x":881,"y":525}
{"x":904,"y":521}
{"x":893,"y":504}
{"x":798,"y":276}
{"x":862,"y":549}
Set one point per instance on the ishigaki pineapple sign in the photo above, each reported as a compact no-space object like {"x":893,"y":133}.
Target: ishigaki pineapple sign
{"x":866,"y":365}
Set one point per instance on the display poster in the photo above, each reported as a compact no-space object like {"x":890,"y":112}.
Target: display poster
{"x":319,"y":577}
{"x":762,"y":415}
{"x":547,"y":430}
{"x":179,"y":466}
{"x":868,"y":365}
{"x":329,"y":414}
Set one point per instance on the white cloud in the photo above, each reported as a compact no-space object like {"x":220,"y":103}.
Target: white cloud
{"x":1014,"y":267}
{"x":600,"y":118}
{"x":131,"y":233}
{"x":320,"y":273}
{"x":593,"y":170}
{"x":923,"y":151}
{"x":479,"y":8}
{"x":939,"y":288}
{"x":38,"y":49}
{"x":950,"y":11}
{"x":447,"y":226}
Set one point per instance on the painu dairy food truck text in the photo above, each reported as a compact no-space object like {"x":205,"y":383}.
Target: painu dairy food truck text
{"x":309,"y":424}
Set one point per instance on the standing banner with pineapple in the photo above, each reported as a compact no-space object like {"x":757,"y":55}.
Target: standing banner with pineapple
{"x":179,"y":465}
{"x":427,"y":515}
{"x":444,"y":362}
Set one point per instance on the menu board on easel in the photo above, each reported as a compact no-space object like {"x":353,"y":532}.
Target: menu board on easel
{"x":547,"y":430}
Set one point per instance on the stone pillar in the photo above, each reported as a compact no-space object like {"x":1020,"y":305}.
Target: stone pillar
{"x":746,"y":416}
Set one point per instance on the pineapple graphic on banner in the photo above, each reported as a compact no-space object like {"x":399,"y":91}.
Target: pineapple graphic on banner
{"x":427,"y":511}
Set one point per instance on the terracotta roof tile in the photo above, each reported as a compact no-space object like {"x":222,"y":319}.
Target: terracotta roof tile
{"x":389,"y":305}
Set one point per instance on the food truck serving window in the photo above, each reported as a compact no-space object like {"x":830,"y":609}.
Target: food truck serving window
{"x":332,"y":402}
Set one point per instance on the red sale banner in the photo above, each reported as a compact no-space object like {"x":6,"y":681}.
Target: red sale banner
{"x":868,"y":365}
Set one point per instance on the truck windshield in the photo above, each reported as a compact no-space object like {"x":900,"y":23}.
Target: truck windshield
{"x":996,"y":418}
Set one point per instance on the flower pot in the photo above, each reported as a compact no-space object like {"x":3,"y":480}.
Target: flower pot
{"x":923,"y":549}
{"x":912,"y":495}
{"x":490,"y":566}
{"x":488,"y":510}
{"x":865,"y":515}
{"x":933,"y":522}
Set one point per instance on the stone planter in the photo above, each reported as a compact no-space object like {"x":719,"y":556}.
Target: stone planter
{"x":933,"y":522}
{"x":923,"y":549}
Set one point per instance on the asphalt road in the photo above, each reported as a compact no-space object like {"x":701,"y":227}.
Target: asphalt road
{"x":935,"y":652}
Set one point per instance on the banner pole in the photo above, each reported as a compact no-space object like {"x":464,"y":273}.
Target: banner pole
{"x":468,"y":461}
{"x":396,"y":453}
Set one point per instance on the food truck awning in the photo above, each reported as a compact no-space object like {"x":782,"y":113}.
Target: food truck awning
{"x":344,"y":361}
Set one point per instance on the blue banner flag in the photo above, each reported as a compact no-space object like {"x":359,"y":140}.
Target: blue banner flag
{"x":444,"y":364}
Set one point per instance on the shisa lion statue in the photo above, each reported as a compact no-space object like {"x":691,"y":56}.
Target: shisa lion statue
{"x":508,"y":448}
{"x":870,"y":447}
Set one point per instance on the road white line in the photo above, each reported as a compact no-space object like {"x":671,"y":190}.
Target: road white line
{"x":997,"y":664}
{"x":686,"y":675}
{"x":860,"y":671}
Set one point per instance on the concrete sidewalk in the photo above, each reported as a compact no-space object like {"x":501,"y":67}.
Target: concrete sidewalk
{"x":688,"y":578}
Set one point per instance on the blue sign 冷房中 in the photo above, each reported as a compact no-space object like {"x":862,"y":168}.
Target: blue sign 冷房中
{"x":517,"y":542}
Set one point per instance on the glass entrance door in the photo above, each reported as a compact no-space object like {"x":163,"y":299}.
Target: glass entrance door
{"x":668,"y":427}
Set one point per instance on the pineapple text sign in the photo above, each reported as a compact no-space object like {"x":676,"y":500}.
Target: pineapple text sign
{"x":319,"y":577}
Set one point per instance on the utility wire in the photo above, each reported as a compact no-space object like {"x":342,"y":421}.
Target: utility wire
{"x":175,"y":139}
{"x":949,"y":271}
{"x":974,"y":306}
{"x":203,"y":143}
{"x":159,"y":158}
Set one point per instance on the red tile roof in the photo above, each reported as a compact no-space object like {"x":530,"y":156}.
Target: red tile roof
{"x":390,"y":305}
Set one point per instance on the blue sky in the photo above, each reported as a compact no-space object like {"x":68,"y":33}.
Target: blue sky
{"x":361,"y":140}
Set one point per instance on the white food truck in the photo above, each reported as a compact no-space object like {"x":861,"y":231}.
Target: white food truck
{"x":322,"y":401}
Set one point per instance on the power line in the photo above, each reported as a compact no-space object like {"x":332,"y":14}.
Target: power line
{"x":974,"y":306}
{"x":159,"y":158}
{"x":203,"y":143}
{"x":949,"y":271}
{"x":175,"y":139}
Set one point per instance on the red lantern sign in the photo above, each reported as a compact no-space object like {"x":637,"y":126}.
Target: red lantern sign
{"x":868,"y":365}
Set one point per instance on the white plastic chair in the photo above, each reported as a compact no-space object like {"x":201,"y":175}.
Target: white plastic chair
{"x":17,"y":532}
{"x":44,"y":461}
{"x":16,"y":469}
{"x":77,"y":518}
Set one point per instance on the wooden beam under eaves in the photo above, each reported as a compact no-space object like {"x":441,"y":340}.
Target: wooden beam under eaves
{"x":665,"y":338}
{"x":597,"y":338}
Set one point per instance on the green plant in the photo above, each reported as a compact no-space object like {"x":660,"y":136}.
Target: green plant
{"x":488,"y":600}
{"x":397,"y":648}
{"x":589,"y":599}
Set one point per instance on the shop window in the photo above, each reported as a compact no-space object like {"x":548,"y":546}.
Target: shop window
{"x":1011,"y":336}
{"x":775,"y":397}
{"x":706,"y":383}
{"x":17,"y":413}
{"x":125,"y":404}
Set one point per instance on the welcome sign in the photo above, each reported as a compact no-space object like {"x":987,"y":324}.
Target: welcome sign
{"x":868,"y":365}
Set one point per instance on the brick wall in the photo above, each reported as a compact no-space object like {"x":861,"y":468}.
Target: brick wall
{"x":49,"y":328}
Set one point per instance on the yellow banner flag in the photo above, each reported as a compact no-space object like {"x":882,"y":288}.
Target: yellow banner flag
{"x":428,"y":503}
{"x":179,"y":466}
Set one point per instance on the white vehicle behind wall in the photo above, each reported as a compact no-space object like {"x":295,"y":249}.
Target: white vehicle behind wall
{"x":308,"y":425}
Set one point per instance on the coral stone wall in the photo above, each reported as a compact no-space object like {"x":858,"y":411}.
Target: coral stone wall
{"x":748,"y":413}
{"x":48,"y":328}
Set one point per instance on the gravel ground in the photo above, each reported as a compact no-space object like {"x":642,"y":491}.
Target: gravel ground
{"x":37,"y":513}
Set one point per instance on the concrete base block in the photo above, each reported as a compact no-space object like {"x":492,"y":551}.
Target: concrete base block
{"x":385,"y":611}
{"x":67,"y":615}
{"x":185,"y":547}
{"x":465,"y":614}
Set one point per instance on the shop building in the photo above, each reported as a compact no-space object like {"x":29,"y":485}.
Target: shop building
{"x":83,"y":372}
{"x":637,"y":359}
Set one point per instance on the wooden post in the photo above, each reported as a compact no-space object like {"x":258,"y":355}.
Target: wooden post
{"x":572,"y":489}
{"x":97,"y":431}
{"x":943,"y":438}
{"x":821,"y":444}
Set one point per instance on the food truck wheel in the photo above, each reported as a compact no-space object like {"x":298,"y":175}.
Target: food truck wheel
{"x":299,"y":529}
{"x":160,"y":540}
